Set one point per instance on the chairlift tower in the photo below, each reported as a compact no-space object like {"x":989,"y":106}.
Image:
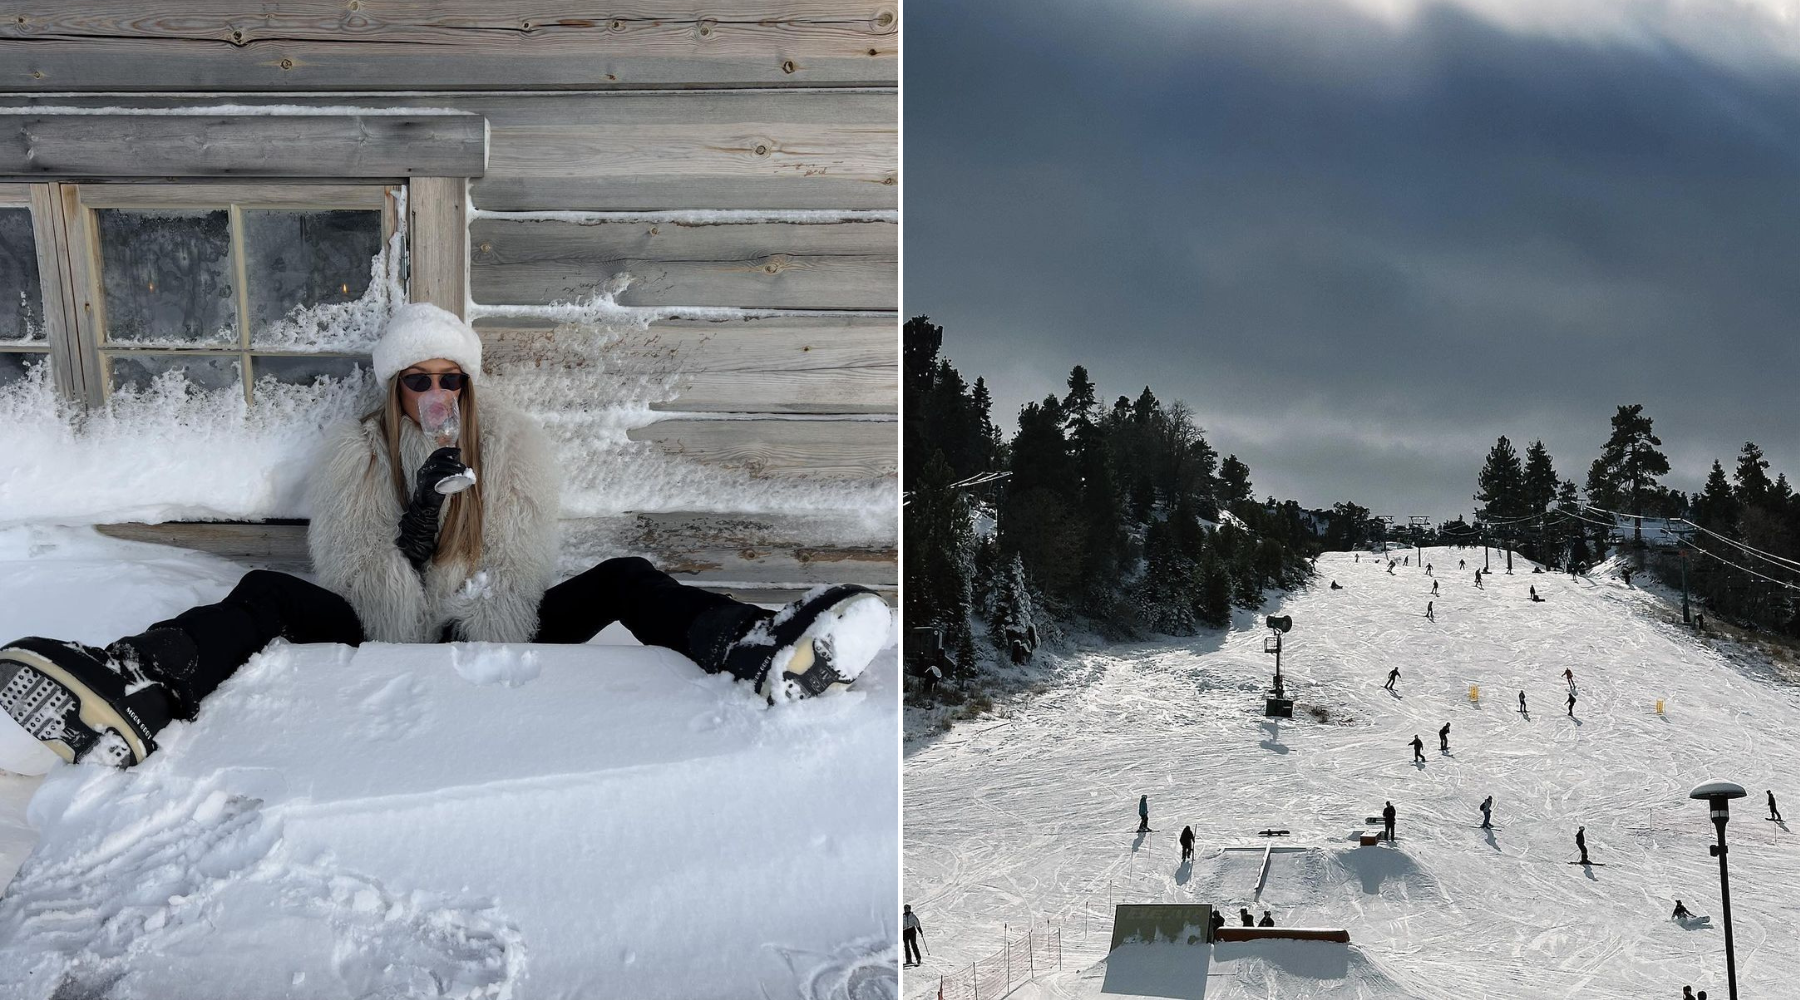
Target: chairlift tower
{"x":1386,"y":521}
{"x":1417,"y":521}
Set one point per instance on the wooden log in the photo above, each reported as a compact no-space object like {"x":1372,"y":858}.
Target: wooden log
{"x":846,"y":265}
{"x":235,"y":145}
{"x":805,"y":449}
{"x":781,"y":365}
{"x":762,"y":554}
{"x":651,"y":150}
{"x":438,"y":220}
{"x":409,"y":44}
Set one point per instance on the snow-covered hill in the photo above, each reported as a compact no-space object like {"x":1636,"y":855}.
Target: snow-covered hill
{"x":471,"y":820}
{"x":1029,"y":821}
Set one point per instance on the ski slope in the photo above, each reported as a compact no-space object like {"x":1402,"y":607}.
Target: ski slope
{"x":464,"y":820}
{"x":1030,"y":820}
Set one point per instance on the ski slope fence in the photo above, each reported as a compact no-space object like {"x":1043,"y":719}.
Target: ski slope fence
{"x":997,"y":975}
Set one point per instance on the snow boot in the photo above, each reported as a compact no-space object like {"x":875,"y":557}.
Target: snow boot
{"x":820,"y":642}
{"x":83,"y":704}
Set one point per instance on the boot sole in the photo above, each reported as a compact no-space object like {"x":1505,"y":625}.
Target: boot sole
{"x":806,"y":658}
{"x":94,"y":711}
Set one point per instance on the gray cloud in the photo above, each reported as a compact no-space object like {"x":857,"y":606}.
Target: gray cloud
{"x":1362,"y":248}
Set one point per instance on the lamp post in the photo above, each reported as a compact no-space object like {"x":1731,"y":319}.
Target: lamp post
{"x":1718,"y":795}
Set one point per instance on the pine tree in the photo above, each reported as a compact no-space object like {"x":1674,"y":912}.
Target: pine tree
{"x":1631,"y":462}
{"x":1502,"y":483}
{"x":1752,"y":477}
{"x":1012,"y":613}
{"x":1716,"y":508}
{"x":938,"y":531}
{"x":1234,"y":482}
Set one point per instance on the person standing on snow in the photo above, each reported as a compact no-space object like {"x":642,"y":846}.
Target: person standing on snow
{"x":1393,"y":675}
{"x":1487,"y":813}
{"x":1418,"y":746}
{"x":1478,"y":580}
{"x":1774,"y":813}
{"x":1430,"y":616}
{"x":1522,"y":709}
{"x":1571,"y":703}
{"x":1187,"y":842}
{"x":1569,"y":675}
{"x":1434,"y":588}
{"x":1444,"y":738}
{"x":910,"y":931}
{"x":1143,"y":814}
{"x":400,"y":560}
{"x":1387,"y":821}
{"x":1244,"y":915}
{"x":1268,"y":920}
{"x":1581,"y":842}
{"x":1218,"y":921}
{"x":1460,"y":564}
{"x":1427,"y":569}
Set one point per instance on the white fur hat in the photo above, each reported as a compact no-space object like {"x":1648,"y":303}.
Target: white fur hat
{"x":420,"y":331}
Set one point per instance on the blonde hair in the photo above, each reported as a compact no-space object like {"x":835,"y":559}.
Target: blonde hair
{"x":460,"y":535}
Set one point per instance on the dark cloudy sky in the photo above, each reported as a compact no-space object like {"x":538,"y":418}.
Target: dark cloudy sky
{"x":1363,"y":239}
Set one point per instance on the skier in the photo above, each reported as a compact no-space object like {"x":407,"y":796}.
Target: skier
{"x":1434,"y":588}
{"x":1522,"y":709}
{"x":1268,"y":920}
{"x":1187,"y":842}
{"x":1429,"y":615}
{"x":1393,"y":675}
{"x":1487,"y":813}
{"x":1390,"y":567}
{"x":1244,"y":915}
{"x":1626,"y":573}
{"x":1581,"y":842}
{"x":1407,"y":561}
{"x":910,"y":932}
{"x":1427,"y":569}
{"x":1359,"y":557}
{"x":1460,"y":564}
{"x":1774,"y":813}
{"x":1681,"y":911}
{"x":1444,"y":738}
{"x":1569,"y":675}
{"x":1418,"y":746}
{"x":1571,"y":703}
{"x":1478,"y":585}
{"x":1387,"y":821}
{"x":1143,"y":814}
{"x":397,"y":559}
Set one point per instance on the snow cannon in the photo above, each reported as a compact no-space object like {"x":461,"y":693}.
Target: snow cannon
{"x":1285,"y":623}
{"x":1278,"y":705}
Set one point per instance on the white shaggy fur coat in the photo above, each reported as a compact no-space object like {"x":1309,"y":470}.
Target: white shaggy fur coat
{"x":355,"y":518}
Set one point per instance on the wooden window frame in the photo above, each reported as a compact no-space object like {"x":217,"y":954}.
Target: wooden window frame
{"x":434,"y":266}
{"x":17,"y":196}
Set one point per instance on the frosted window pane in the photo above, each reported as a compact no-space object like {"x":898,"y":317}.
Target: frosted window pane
{"x":137,"y":370}
{"x":306,"y":259}
{"x":21,"y":297}
{"x":13,"y":364}
{"x":168,"y":276}
{"x":303,"y":371}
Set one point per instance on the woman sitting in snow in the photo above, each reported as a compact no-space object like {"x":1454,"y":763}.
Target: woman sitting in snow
{"x":399,"y":561}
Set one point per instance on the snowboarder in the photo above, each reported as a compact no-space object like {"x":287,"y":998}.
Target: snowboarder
{"x":1569,"y":675}
{"x":1143,"y":814}
{"x":1427,"y":569}
{"x":1268,"y":920}
{"x":1418,"y":746}
{"x":1626,"y":574}
{"x":1487,"y":813}
{"x":910,"y":932}
{"x":396,"y":560}
{"x":1571,"y":703}
{"x":1774,"y":813}
{"x":1430,"y":616}
{"x":1444,"y":738}
{"x":1334,"y":585}
{"x":1187,"y":842}
{"x":1534,"y":595}
{"x":1434,"y":588}
{"x":1581,"y":842}
{"x":1478,"y":585}
{"x":1390,"y":567}
{"x":1244,"y":915}
{"x":1407,"y":561}
{"x":1387,"y":821}
{"x":1393,"y":675}
{"x":1522,"y":709}
{"x":1681,"y":911}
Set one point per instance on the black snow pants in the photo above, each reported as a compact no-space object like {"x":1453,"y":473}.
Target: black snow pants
{"x":912,"y":945}
{"x":265,"y":605}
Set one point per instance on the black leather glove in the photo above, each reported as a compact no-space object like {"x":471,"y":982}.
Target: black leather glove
{"x":419,"y":522}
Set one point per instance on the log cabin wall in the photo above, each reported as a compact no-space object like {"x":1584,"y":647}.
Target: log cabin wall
{"x":738,"y":160}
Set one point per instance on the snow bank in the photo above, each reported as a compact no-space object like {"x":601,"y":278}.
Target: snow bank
{"x":473,"y":820}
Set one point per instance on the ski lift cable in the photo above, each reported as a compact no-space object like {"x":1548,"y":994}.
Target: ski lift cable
{"x":1779,"y":583}
{"x":1747,"y":548}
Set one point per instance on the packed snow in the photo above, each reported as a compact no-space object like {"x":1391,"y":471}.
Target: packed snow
{"x":1028,"y":820}
{"x":463,"y":820}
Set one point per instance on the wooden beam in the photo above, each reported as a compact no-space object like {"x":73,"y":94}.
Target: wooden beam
{"x":235,"y":145}
{"x":766,"y":554}
{"x":467,"y":44}
{"x":806,"y":449}
{"x":658,"y":150}
{"x":843,"y":265}
{"x":438,"y":230}
{"x":780,"y":365}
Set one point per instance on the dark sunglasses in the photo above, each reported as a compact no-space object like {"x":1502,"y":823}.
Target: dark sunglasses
{"x":421,"y":381}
